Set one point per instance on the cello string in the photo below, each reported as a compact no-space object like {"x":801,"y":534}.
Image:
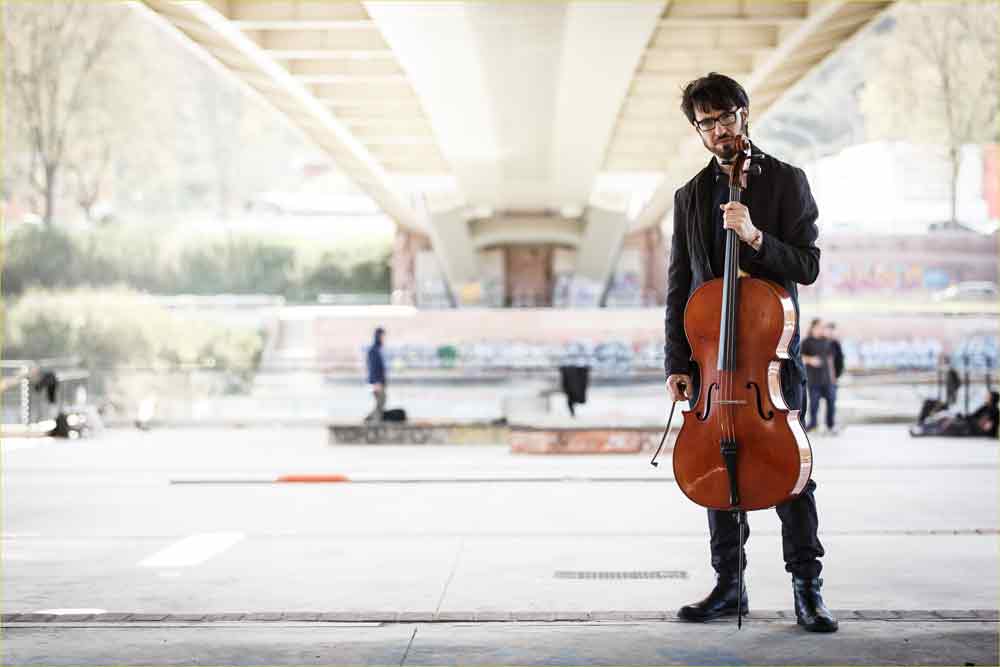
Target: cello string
{"x":729,"y":339}
{"x":727,"y":413}
{"x":731,"y":332}
{"x":730,"y":322}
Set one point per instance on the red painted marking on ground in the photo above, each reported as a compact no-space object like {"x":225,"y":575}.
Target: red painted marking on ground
{"x":313,"y":478}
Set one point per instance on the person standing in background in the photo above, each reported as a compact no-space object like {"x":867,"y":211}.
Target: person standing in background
{"x":837,"y":359}
{"x":819,"y":373}
{"x":376,"y":376}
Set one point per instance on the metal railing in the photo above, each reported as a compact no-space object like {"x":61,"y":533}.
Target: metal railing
{"x":30,"y":395}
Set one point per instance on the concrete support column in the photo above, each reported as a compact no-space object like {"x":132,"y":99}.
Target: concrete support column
{"x":654,"y":266}
{"x":406,"y":246}
{"x":529,"y":275}
{"x":456,"y":253}
{"x":598,"y":252}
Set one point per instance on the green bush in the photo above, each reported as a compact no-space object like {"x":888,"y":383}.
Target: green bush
{"x":160,"y":263}
{"x":121,"y":328}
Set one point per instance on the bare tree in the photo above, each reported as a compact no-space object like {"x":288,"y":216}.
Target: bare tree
{"x":90,"y":171}
{"x":936,"y":82}
{"x":51,"y":52}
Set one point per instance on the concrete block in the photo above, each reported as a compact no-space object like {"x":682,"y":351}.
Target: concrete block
{"x":36,"y":618}
{"x":264,"y":616}
{"x":493,"y":616}
{"x":417,"y":433}
{"x":340,"y":616}
{"x":571,"y":616}
{"x":416,"y":617}
{"x":380,"y":616}
{"x":301,"y":616}
{"x":454,"y":616}
{"x":583,"y":440}
{"x":956,"y":614}
{"x":231,"y":616}
{"x":148,"y":617}
{"x":533,"y":442}
{"x":546,"y":616}
{"x":112,"y":617}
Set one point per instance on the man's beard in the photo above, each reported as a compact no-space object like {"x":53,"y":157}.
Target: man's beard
{"x":725,"y":152}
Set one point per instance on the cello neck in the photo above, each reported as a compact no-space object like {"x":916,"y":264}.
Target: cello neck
{"x":730,"y":277}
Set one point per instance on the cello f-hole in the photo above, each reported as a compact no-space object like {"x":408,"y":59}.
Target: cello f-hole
{"x":760,"y":404}
{"x":708,"y":402}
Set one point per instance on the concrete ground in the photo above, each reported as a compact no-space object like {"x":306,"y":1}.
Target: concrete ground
{"x":104,"y":560}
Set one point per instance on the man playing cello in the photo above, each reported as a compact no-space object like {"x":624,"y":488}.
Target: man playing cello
{"x":777,"y":233}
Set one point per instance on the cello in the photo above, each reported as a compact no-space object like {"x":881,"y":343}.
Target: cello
{"x":740,"y":447}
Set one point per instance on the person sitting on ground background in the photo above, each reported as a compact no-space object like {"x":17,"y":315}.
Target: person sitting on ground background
{"x":986,"y":418}
{"x":983,"y":422}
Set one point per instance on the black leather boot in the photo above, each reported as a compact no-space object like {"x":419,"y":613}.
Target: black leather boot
{"x":810,"y":611}
{"x":722,"y":601}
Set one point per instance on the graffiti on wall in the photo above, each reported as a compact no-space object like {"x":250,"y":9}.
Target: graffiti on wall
{"x":887,"y":276}
{"x":621,"y":357}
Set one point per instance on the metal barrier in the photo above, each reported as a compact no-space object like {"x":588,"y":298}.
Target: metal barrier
{"x":25,"y":401}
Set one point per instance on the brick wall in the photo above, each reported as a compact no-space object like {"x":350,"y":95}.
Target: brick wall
{"x":529,"y":275}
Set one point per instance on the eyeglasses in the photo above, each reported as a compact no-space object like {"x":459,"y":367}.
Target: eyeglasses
{"x":727,"y":119}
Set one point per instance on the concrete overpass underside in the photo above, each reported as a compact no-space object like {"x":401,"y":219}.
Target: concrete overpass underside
{"x":528,"y":152}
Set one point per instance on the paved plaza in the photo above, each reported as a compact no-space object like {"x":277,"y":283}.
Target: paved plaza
{"x":105,"y":560}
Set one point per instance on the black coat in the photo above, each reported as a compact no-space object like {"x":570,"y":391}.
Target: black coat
{"x":782,"y":207}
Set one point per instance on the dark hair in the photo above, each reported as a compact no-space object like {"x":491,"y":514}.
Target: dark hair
{"x":714,"y":91}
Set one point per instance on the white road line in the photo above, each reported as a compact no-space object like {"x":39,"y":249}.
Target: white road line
{"x":13,"y":446}
{"x":60,"y":612}
{"x":192,"y":550}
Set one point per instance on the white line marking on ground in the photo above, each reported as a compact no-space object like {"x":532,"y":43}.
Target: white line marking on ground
{"x":16,"y":445}
{"x":71,"y":611}
{"x":192,"y":550}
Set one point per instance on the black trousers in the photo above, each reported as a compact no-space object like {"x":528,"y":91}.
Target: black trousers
{"x":800,"y":543}
{"x":828,"y":393}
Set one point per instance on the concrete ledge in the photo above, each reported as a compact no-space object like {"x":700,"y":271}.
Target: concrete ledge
{"x":594,"y":438}
{"x":584,"y":440}
{"x":419,"y":433}
{"x":378,"y":616}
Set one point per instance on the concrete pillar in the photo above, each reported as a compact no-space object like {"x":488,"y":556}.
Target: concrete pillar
{"x":640,"y":271}
{"x":406,"y":245}
{"x":529,"y":275}
{"x":598,"y":252}
{"x":654,"y":266}
{"x":456,"y":253}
